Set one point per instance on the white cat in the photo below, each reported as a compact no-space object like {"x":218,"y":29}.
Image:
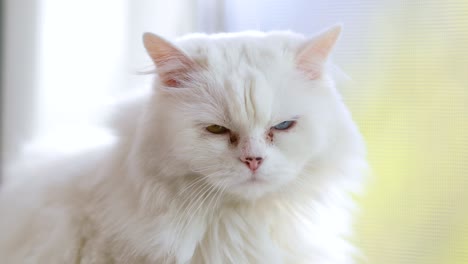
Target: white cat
{"x":242,"y":153}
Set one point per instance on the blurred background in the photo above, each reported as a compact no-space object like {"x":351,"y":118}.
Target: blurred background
{"x":408,"y":91}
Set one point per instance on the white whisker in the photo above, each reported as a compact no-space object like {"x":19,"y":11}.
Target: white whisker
{"x":189,"y":199}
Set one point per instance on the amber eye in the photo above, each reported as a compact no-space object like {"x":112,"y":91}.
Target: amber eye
{"x":215,"y":129}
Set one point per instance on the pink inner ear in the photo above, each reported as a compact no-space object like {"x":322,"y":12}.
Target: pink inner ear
{"x":171,"y":83}
{"x":173,"y":77}
{"x":313,"y":70}
{"x":313,"y":56}
{"x":173,"y":66}
{"x":311,"y":60}
{"x":176,"y":69}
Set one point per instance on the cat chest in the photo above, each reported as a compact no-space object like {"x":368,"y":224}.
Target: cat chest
{"x":237,"y":237}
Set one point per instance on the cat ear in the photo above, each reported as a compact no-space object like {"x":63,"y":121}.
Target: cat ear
{"x":172,"y":65}
{"x":313,"y":55}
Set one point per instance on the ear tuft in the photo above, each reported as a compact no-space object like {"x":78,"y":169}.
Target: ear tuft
{"x":313,"y":55}
{"x":173,"y":65}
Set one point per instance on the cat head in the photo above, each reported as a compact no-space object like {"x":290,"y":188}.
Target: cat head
{"x":250,"y":113}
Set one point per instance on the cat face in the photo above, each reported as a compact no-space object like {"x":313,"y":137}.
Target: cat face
{"x":245,"y":113}
{"x":259,"y":137}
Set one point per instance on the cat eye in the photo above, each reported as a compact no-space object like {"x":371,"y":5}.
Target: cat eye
{"x":284,"y":125}
{"x":215,"y":129}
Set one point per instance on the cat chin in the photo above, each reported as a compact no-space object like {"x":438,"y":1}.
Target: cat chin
{"x":252,"y":189}
{"x":249,"y":192}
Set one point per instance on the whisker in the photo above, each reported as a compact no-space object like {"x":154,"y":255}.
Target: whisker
{"x":197,"y":169}
{"x":191,"y":213}
{"x":217,"y":195}
{"x":201,"y":178}
{"x":221,"y":193}
{"x":185,"y":205}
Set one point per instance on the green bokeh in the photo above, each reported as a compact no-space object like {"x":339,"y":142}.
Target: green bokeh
{"x":410,"y":99}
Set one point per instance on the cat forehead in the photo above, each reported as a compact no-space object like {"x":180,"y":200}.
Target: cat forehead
{"x":245,"y":74}
{"x":230,"y":51}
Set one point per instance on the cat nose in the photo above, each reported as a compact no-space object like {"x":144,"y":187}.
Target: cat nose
{"x":252,"y":162}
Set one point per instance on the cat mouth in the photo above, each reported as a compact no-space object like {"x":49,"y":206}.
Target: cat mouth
{"x":254,"y":179}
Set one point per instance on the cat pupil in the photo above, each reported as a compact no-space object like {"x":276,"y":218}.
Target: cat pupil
{"x":284,"y":125}
{"x":216,"y":129}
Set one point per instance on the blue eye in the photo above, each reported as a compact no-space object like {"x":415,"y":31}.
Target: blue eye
{"x":284,"y":125}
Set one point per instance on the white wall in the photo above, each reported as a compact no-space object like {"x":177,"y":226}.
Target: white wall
{"x":19,"y":73}
{"x":65,"y":59}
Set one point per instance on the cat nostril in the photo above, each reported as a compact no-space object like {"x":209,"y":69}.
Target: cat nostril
{"x":248,"y":159}
{"x":252,"y":162}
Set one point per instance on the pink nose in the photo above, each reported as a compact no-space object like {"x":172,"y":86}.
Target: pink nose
{"x":252,"y":162}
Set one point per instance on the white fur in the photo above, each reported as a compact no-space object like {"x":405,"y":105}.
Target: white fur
{"x":170,"y":192}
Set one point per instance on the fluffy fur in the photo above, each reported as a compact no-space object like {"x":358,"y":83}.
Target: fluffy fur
{"x":169,"y":191}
